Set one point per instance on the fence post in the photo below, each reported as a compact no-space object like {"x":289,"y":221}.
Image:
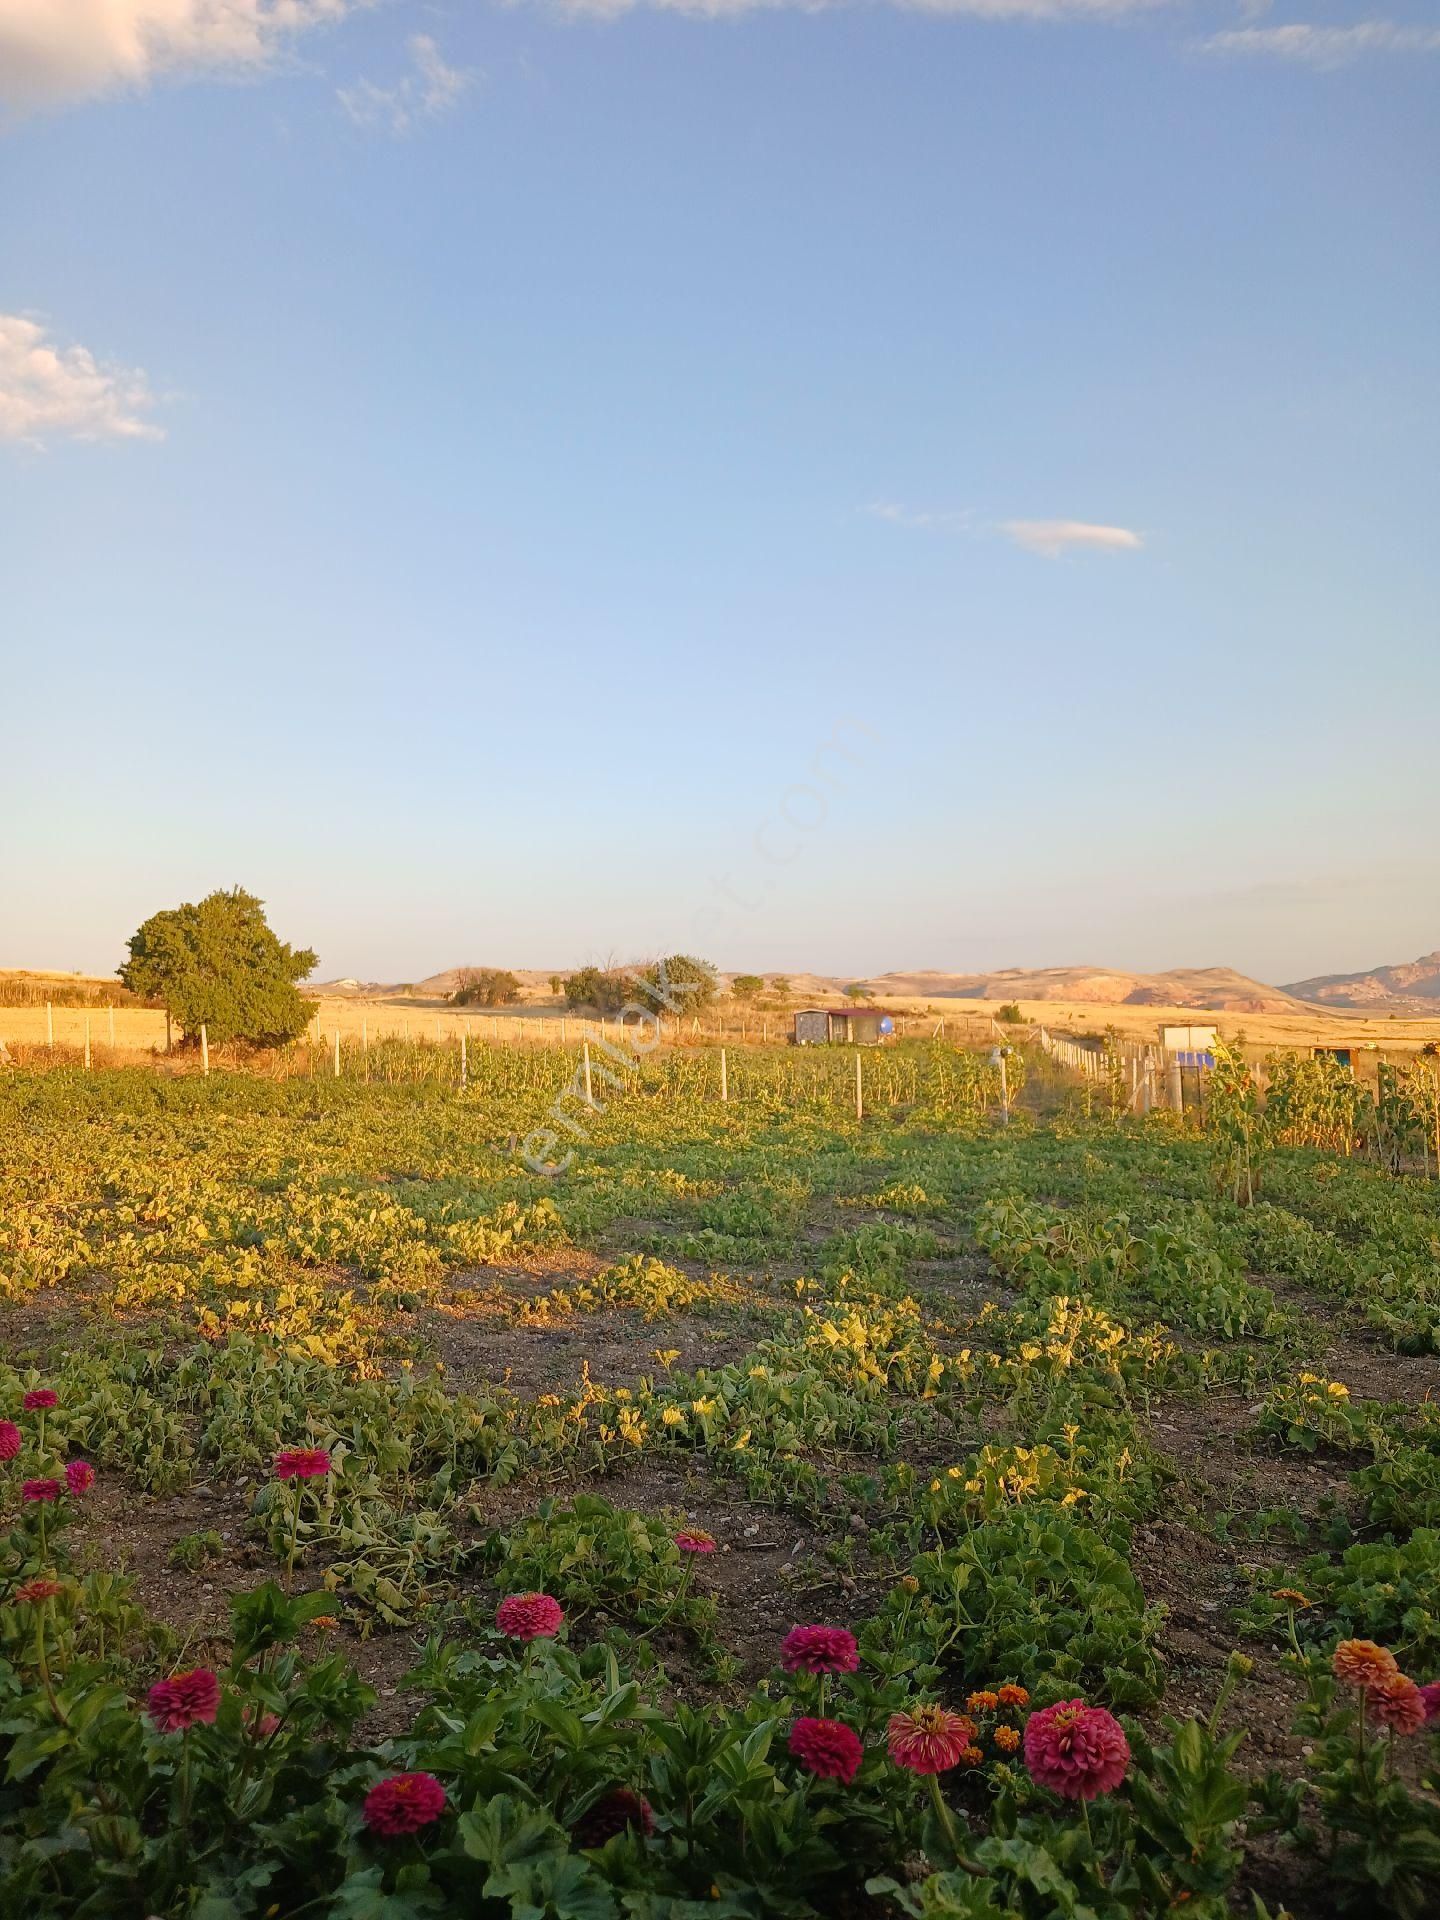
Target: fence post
{"x":167,"y":1030}
{"x":589,"y":1095}
{"x":49,"y":1025}
{"x":1004,"y":1090}
{"x":204,"y":1049}
{"x":112,"y":1026}
{"x":859,"y":1087}
{"x":337,"y":1052}
{"x":464,"y":1065}
{"x":87,"y":1043}
{"x":724,"y":1083}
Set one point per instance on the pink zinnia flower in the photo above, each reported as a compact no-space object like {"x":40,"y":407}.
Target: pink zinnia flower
{"x":827,"y":1748}
{"x":40,"y":1399}
{"x":302,"y":1463}
{"x":928,"y":1739}
{"x":185,"y":1700}
{"x":44,"y":1490}
{"x":11,"y":1440}
{"x":1075,"y":1750}
{"x":267,"y":1723}
{"x":612,"y":1813}
{"x":693,"y":1541}
{"x":1397,"y":1703}
{"x":403,"y":1804}
{"x":529,"y":1616}
{"x":79,"y":1476}
{"x":819,"y":1650}
{"x":35,"y":1593}
{"x":1430,"y":1694}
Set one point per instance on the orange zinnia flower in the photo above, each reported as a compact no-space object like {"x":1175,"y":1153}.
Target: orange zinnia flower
{"x":1361,"y":1663}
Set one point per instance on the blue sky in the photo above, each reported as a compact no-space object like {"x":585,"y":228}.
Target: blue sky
{"x":460,"y":465}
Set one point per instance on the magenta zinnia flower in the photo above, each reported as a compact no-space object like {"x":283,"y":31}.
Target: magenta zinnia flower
{"x":302,"y":1463}
{"x":529,"y":1616}
{"x":11,"y":1440}
{"x":1075,"y":1750}
{"x":1430,"y":1694}
{"x":819,"y":1650}
{"x":612,"y":1813}
{"x":928,"y":1739}
{"x":40,"y":1399}
{"x":827,"y":1748}
{"x":403,"y":1804}
{"x":42,"y":1490}
{"x":185,"y":1700}
{"x":694,"y":1541}
{"x":79,"y":1476}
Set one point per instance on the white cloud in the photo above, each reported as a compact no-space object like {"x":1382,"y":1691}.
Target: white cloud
{"x":48,"y":392}
{"x":55,"y":50}
{"x":930,"y":519}
{"x":1054,"y":537}
{"x":975,"y":9}
{"x":432,"y":89}
{"x":1324,"y":47}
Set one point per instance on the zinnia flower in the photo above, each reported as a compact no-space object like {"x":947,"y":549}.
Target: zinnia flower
{"x":79,"y":1476}
{"x":1361,"y":1663}
{"x":40,"y":1399}
{"x":1290,"y":1597}
{"x":302,"y":1463}
{"x":11,"y":1440}
{"x":694,"y":1541}
{"x":973,"y":1756}
{"x":928,"y":1739}
{"x":43,"y":1490}
{"x":1397,"y":1703}
{"x":983,"y":1701}
{"x":1013,"y":1696}
{"x":403,"y":1804}
{"x":1075,"y":1750}
{"x":612,"y":1813}
{"x":1007,"y":1739}
{"x":35,"y":1592}
{"x":827,"y":1748}
{"x":1431,"y":1696}
{"x":264,"y":1726}
{"x":185,"y":1700}
{"x":529,"y":1616}
{"x":819,"y":1650}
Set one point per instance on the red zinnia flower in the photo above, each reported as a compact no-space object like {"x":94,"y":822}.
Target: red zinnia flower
{"x":1075,"y":1750}
{"x":11,"y":1440}
{"x":1398,"y":1703}
{"x":35,"y":1592}
{"x":1431,"y":1696}
{"x":267,"y":1723}
{"x":185,"y":1700}
{"x":928,"y":1739}
{"x":79,"y":1476}
{"x":529,"y":1616}
{"x":693,"y":1541}
{"x":827,"y":1748}
{"x":40,"y":1399}
{"x":612,"y":1813}
{"x":403,"y":1804}
{"x":819,"y":1650}
{"x":302,"y":1463}
{"x":40,"y":1490}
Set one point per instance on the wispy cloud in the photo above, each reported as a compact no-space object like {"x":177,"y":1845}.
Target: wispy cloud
{"x":956,"y":520}
{"x":974,"y":9}
{"x":49,"y":392}
{"x":430,"y":90}
{"x":1323,"y":47}
{"x":57,"y":50}
{"x":1055,"y":537}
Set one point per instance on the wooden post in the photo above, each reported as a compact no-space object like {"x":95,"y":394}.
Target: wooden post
{"x":589,"y":1095}
{"x":49,"y":1025}
{"x":337,"y":1052}
{"x":724,"y":1082}
{"x":87,"y":1043}
{"x":859,"y":1087}
{"x":464,"y":1065}
{"x":1004,"y":1090}
{"x":563,"y":1025}
{"x":204,"y":1049}
{"x":112,"y":1026}
{"x":167,"y":1030}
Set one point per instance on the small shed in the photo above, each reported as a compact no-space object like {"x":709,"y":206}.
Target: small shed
{"x":843,"y":1026}
{"x":1189,"y":1046}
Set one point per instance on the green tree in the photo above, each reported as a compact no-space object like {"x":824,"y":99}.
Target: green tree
{"x":218,"y":965}
{"x":486,"y":987}
{"x":780,"y":986}
{"x":747,"y":986}
{"x":857,"y":990}
{"x":679,"y":984}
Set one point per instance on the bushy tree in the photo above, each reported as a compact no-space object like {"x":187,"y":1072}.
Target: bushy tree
{"x":486,"y":987}
{"x":857,"y":990}
{"x":680,"y":984}
{"x":747,"y":986}
{"x":218,"y":965}
{"x":605,"y":988}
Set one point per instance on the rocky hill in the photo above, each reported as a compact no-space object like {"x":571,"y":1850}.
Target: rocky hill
{"x":1411,"y":987}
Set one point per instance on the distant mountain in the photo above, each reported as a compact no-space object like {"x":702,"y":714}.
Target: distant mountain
{"x":1411,"y":987}
{"x":1206,"y":989}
